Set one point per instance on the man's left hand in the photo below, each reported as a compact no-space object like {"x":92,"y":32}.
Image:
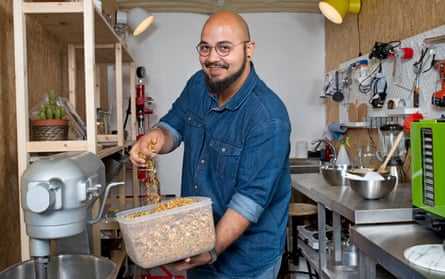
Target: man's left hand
{"x":191,"y":262}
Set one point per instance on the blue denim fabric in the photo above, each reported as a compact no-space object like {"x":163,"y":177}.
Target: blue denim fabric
{"x":270,"y":273}
{"x":237,"y":155}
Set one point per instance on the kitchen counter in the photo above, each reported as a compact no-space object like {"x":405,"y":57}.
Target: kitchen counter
{"x":342,"y":201}
{"x":396,"y":207}
{"x":385,"y":244}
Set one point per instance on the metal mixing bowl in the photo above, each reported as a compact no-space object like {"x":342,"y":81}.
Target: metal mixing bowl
{"x":65,"y":267}
{"x":373,"y":189}
{"x":334,"y":175}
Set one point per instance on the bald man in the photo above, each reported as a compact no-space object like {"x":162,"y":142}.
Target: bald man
{"x":235,"y":132}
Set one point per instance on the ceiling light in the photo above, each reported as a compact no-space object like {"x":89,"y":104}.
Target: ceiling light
{"x":336,"y":10}
{"x":137,"y":20}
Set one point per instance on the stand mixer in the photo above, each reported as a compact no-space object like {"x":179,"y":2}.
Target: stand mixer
{"x":57,"y":197}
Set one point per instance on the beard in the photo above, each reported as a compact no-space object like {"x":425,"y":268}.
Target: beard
{"x":219,"y":86}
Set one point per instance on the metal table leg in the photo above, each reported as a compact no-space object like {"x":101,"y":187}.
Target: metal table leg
{"x":367,"y":266}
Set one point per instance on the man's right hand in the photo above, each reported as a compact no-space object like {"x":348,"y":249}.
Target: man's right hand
{"x":147,"y":147}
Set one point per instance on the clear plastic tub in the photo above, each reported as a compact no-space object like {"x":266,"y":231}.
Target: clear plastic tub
{"x":169,"y":235}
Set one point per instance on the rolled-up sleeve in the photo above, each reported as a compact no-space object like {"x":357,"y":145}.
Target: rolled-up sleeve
{"x":177,"y":138}
{"x":245,"y":206}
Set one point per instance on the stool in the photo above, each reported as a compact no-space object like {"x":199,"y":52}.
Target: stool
{"x":297,"y":210}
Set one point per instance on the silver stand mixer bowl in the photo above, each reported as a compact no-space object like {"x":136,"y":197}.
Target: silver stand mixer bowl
{"x":65,"y":267}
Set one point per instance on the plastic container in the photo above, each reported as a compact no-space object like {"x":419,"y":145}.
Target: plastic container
{"x":343,"y":158}
{"x":169,"y":235}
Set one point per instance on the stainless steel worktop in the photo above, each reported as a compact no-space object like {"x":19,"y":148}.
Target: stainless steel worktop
{"x":385,"y":244}
{"x":396,"y":207}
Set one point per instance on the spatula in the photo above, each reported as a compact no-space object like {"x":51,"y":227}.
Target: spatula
{"x":382,"y":168}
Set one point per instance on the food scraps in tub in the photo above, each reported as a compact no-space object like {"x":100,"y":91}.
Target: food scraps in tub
{"x":162,"y":207}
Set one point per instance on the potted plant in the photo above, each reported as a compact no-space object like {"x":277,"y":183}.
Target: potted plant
{"x":51,"y":123}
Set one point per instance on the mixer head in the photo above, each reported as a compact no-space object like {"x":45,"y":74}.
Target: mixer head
{"x":57,"y":196}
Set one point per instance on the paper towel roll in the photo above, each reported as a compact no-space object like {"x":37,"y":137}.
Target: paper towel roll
{"x":301,"y":149}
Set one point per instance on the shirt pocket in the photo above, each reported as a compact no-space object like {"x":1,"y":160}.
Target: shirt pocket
{"x":225,"y":157}
{"x":193,"y":133}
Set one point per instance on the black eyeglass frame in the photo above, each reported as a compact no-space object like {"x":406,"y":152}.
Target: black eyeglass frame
{"x":217,"y":50}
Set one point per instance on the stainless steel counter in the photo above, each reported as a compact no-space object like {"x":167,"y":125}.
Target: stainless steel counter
{"x":396,"y":207}
{"x":384,"y":244}
{"x":342,"y":201}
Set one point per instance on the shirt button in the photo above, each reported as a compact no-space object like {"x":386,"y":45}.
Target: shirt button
{"x":189,"y":118}
{"x":203,"y":161}
{"x":223,"y":149}
{"x":196,"y":187}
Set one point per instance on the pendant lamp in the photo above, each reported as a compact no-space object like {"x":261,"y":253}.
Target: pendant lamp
{"x":137,"y":20}
{"x":336,"y":10}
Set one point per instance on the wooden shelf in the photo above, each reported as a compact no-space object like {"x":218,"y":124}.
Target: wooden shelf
{"x":391,"y":112}
{"x":79,"y":25}
{"x":65,"y":21}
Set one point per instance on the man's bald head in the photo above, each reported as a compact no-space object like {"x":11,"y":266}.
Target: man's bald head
{"x":231,"y":21}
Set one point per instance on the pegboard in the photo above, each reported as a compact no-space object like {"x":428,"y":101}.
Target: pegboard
{"x":400,"y":77}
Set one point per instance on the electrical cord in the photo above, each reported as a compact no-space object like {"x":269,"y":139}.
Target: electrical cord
{"x":379,"y":86}
{"x":365,"y":85}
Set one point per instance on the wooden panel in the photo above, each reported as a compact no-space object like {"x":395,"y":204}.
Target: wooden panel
{"x":47,"y":63}
{"x":382,"y":21}
{"x":9,"y":197}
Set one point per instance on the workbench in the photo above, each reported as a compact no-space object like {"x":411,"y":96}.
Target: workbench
{"x":385,"y":244}
{"x":395,"y":208}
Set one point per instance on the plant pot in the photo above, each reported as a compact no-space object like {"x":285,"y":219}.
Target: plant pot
{"x":50,"y":129}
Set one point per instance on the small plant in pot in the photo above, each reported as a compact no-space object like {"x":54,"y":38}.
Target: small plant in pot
{"x":51,"y":123}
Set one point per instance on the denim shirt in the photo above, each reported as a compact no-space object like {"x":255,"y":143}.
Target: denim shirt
{"x":237,"y":155}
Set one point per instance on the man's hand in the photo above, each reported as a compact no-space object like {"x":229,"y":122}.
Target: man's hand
{"x":147,"y":147}
{"x":191,"y":262}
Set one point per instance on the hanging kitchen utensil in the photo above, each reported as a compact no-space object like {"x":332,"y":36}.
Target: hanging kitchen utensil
{"x":352,"y":112}
{"x":338,"y":95}
{"x":362,"y":112}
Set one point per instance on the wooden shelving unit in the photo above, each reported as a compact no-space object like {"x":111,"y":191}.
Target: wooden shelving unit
{"x":79,"y":25}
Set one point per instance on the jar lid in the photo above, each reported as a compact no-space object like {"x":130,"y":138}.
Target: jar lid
{"x":391,"y":127}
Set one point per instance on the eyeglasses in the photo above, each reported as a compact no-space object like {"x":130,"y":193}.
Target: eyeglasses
{"x":222,"y":49}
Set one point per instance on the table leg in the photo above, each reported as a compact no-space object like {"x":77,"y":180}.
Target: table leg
{"x":322,"y":236}
{"x":337,"y":237}
{"x":366,"y":266}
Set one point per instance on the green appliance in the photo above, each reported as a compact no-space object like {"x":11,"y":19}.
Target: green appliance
{"x":428,"y":173}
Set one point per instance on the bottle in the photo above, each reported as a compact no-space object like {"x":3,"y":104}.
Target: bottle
{"x":343,"y":157}
{"x":327,"y":152}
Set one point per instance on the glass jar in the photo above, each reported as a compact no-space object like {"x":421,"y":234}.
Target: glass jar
{"x":101,"y":127}
{"x":367,"y":156}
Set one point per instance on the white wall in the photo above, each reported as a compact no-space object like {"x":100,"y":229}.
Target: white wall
{"x":289,"y":57}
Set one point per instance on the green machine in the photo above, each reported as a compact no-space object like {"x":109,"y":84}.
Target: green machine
{"x":428,"y":173}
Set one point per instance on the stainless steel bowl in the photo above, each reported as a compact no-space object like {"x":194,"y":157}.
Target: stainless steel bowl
{"x":334,"y":175}
{"x":65,"y":267}
{"x":373,"y":189}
